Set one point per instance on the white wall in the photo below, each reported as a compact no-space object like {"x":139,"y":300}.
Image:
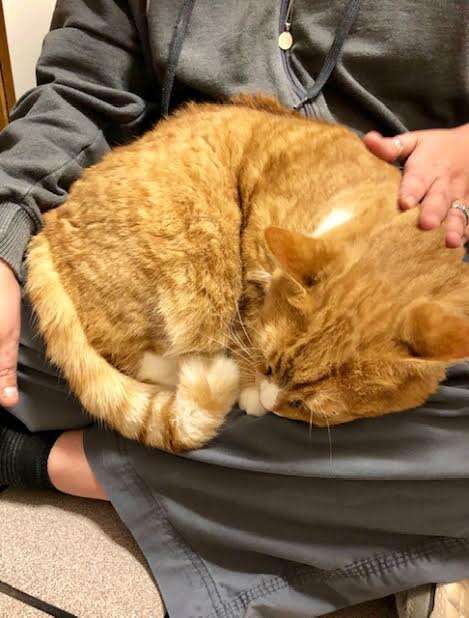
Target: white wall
{"x":27,"y":22}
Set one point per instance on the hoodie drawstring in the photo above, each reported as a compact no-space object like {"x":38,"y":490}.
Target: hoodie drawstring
{"x":175,"y":47}
{"x":333,"y":55}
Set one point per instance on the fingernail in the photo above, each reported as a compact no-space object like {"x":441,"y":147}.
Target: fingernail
{"x":398,"y":144}
{"x":9,"y":391}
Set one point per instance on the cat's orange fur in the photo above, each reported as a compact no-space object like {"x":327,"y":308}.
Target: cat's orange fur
{"x":146,"y":271}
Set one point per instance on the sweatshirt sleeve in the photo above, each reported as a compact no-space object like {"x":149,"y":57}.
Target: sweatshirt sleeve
{"x":93,"y":90}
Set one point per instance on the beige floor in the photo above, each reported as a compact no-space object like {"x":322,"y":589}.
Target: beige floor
{"x":76,"y":554}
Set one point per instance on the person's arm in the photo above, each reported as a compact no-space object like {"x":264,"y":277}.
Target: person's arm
{"x":92,"y":90}
{"x":92,"y":87}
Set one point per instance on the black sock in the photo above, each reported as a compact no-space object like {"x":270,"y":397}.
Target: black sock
{"x":23,"y":457}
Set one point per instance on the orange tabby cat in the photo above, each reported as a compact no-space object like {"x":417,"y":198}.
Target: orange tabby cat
{"x":243,"y":252}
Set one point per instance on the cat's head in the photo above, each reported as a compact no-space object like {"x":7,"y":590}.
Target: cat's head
{"x":355,"y":330}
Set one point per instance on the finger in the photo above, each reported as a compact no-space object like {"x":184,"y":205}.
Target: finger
{"x":416,"y":181}
{"x":8,"y":362}
{"x":435,"y":204}
{"x":391,"y":149}
{"x":455,"y":228}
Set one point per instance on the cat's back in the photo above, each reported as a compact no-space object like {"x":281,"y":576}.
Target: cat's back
{"x":199,"y":146}
{"x":193,"y":178}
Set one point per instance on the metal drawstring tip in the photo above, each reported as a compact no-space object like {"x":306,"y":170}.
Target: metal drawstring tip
{"x":299,"y":105}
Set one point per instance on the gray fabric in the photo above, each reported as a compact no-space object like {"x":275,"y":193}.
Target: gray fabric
{"x":417,"y":602}
{"x":15,"y":231}
{"x":45,"y":400}
{"x":273,"y":521}
{"x":99,"y":75}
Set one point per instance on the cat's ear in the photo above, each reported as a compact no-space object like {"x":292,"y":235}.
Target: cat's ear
{"x":435,"y":331}
{"x":298,"y":255}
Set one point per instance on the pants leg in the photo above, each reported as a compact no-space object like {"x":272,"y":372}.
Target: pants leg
{"x":45,"y":399}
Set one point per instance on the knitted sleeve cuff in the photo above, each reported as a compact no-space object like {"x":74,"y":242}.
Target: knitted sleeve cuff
{"x":16,"y":228}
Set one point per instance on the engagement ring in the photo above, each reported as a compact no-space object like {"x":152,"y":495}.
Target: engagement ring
{"x":464,"y":208}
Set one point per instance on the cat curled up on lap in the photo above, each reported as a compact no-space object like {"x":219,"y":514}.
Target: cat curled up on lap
{"x":241,"y":252}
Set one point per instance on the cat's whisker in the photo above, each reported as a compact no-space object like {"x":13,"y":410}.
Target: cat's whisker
{"x":253,"y":344}
{"x":245,"y":360}
{"x":240,"y":357}
{"x":236,"y":352}
{"x":248,"y":377}
{"x":225,"y":345}
{"x":242,"y":324}
{"x":253,"y":352}
{"x":248,"y":365}
{"x":236,"y":339}
{"x":248,"y":360}
{"x":329,"y":437}
{"x":243,"y":348}
{"x":222,"y":344}
{"x":249,"y":372}
{"x":239,"y":352}
{"x":255,"y":330}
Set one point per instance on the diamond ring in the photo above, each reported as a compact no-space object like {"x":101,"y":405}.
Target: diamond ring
{"x":464,"y":208}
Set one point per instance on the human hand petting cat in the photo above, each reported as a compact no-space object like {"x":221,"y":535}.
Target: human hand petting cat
{"x":436,"y":174}
{"x":10,"y":302}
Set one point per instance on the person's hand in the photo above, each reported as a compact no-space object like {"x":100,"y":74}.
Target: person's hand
{"x":436,"y":174}
{"x":10,"y":319}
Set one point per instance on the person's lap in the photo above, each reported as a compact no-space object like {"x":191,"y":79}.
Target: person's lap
{"x":269,"y":512}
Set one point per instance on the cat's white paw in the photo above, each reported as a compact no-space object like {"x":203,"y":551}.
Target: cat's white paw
{"x":250,"y":402}
{"x":223,"y":378}
{"x":216,"y":379}
{"x":206,"y":392}
{"x":191,"y":372}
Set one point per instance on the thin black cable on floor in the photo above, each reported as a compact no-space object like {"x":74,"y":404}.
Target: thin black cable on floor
{"x":27,"y":599}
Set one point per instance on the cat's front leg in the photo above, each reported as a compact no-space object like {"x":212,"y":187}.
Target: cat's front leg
{"x":250,"y":402}
{"x":186,"y":418}
{"x":206,"y":392}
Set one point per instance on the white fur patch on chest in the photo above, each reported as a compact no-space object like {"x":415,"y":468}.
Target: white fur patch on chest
{"x":336,"y":217}
{"x":158,"y":369}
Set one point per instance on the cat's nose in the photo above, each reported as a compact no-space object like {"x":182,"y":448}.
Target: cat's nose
{"x":268,"y":394}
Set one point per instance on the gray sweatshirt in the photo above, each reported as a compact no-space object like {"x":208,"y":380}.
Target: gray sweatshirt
{"x":404,"y":66}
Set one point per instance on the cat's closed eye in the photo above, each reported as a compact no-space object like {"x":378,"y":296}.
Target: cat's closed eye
{"x":268,"y":371}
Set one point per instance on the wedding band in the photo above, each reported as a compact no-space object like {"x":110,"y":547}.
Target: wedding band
{"x":464,"y":208}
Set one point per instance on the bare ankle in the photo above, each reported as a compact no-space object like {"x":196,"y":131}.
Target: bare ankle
{"x":69,"y":470}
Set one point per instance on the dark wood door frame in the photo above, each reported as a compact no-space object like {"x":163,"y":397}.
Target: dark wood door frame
{"x":7,"y":89}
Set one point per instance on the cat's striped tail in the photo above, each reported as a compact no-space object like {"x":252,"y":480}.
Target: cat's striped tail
{"x":137,"y":410}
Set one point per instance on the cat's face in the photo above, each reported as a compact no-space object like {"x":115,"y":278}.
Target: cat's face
{"x":340,"y":341}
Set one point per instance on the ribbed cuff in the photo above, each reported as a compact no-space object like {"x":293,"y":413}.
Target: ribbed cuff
{"x":16,"y":228}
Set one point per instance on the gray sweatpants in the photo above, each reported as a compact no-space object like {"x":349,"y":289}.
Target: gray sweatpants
{"x":271,"y":520}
